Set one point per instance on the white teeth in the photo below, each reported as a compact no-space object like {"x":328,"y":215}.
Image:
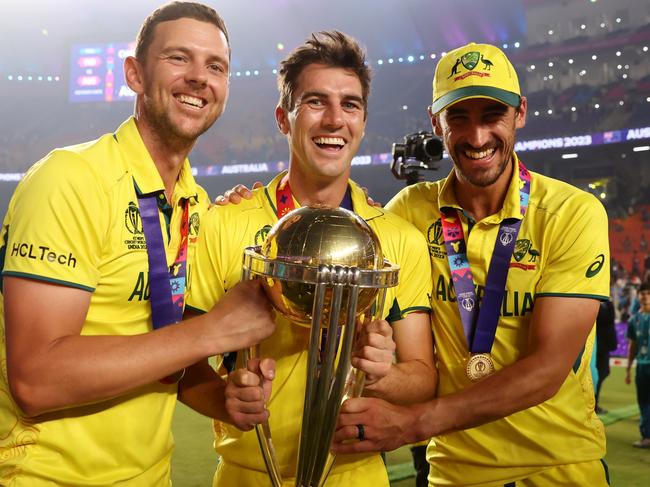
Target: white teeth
{"x":329,"y":140}
{"x":479,"y":155}
{"x":190,"y":100}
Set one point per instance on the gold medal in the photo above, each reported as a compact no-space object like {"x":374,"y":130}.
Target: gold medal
{"x":479,"y":366}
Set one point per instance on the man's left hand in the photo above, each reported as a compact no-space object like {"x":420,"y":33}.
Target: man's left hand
{"x":375,"y":350}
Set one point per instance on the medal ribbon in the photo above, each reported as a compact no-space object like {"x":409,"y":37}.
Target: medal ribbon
{"x":480,"y":325}
{"x":284,"y":199}
{"x":166,"y":285}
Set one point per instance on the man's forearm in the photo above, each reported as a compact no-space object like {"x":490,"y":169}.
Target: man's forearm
{"x":406,"y":383}
{"x":515,"y":388}
{"x":631,"y":354}
{"x":78,"y":369}
{"x":51,"y":365}
{"x":202,"y":389}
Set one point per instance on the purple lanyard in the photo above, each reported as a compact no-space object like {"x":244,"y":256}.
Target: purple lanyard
{"x":480,"y":325}
{"x":167,"y":286}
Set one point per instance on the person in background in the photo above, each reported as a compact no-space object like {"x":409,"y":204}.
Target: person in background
{"x":638,"y":333}
{"x":606,"y":342}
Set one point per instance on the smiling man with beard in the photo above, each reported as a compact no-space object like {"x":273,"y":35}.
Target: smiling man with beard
{"x":96,"y":245}
{"x":519,"y":262}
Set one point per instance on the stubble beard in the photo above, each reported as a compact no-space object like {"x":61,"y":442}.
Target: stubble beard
{"x":484,"y":179}
{"x":170,"y":133}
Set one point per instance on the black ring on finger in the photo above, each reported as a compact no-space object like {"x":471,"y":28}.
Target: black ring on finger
{"x":361,"y":432}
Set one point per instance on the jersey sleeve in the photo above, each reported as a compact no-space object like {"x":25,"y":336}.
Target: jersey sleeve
{"x":577,"y":261}
{"x":398,"y":205}
{"x":215,"y":269}
{"x":413,"y":291}
{"x":57,"y":222}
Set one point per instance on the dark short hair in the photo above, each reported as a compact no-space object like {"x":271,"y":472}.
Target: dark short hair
{"x":645,"y":286}
{"x":331,"y":48}
{"x":175,"y":11}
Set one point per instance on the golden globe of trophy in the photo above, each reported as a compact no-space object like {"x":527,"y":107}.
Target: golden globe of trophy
{"x":322,"y":268}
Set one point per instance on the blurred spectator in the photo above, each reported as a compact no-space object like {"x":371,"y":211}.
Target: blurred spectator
{"x":636,"y":265}
{"x":627,"y":244}
{"x":605,"y":343}
{"x":625,"y":302}
{"x":637,"y":334}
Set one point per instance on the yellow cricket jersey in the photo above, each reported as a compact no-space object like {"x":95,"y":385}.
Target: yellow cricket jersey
{"x":74,"y":220}
{"x":226,"y":231}
{"x":562,"y":250}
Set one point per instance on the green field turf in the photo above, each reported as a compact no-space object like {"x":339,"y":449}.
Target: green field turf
{"x":194,"y":461}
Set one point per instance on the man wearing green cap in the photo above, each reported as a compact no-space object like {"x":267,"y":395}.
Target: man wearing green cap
{"x":519,"y":262}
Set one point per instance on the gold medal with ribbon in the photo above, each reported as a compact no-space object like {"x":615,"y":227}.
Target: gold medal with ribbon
{"x":479,"y":366}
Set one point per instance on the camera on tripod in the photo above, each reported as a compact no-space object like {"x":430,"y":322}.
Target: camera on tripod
{"x":421,"y":150}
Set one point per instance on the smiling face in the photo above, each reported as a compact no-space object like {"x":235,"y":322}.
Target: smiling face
{"x":182,"y":84}
{"x":479,"y":135}
{"x":326,"y":124}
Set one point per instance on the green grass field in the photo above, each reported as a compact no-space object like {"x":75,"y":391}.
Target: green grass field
{"x":194,"y":461}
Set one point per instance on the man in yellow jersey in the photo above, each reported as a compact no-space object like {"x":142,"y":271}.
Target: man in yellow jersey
{"x":89,"y":389}
{"x":525,"y":258}
{"x":324,"y":86}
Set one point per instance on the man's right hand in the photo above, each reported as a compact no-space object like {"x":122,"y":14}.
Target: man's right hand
{"x":386,"y":426}
{"x":247,"y":392}
{"x":244,"y":317}
{"x":236,"y":194}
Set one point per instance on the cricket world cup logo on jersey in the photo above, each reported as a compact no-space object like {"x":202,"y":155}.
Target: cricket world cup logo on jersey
{"x":134,"y":239}
{"x":132,"y":219}
{"x":435,"y":241}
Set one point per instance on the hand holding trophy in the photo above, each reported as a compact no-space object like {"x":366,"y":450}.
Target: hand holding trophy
{"x":322,"y":268}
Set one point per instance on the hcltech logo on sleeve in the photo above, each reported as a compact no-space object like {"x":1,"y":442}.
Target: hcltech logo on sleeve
{"x":43,"y":253}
